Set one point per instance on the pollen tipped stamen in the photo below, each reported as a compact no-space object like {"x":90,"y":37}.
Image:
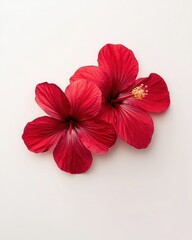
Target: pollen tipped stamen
{"x":140,"y":92}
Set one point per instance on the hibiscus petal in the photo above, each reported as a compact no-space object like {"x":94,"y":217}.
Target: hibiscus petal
{"x":97,"y":135}
{"x":91,"y":73}
{"x":133,"y":125}
{"x":52,"y":100}
{"x":71,"y":155}
{"x":42,"y":133}
{"x":85,"y":99}
{"x":157,"y":99}
{"x":96,"y":75}
{"x":120,"y":64}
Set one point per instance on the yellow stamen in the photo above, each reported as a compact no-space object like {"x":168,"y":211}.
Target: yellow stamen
{"x":140,"y":92}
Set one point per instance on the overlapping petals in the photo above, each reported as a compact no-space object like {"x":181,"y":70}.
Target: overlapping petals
{"x":97,"y":135}
{"x":72,"y":127}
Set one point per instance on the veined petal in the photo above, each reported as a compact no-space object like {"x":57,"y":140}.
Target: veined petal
{"x":97,"y":136}
{"x":108,"y":113}
{"x":71,"y":155}
{"x":96,"y":75}
{"x":134,"y":126}
{"x":90,"y":73}
{"x":52,"y":100}
{"x":157,"y":99}
{"x":120,"y":64}
{"x":42,"y":133}
{"x":85,"y":99}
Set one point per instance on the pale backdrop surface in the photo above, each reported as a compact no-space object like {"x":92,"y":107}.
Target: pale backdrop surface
{"x":128,"y":193}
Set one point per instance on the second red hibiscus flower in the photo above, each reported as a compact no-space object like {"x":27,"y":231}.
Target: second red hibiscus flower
{"x":126,"y":101}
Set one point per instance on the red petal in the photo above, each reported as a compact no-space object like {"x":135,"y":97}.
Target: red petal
{"x":90,"y":73}
{"x":97,"y":135}
{"x":71,"y":155}
{"x":158,"y":99}
{"x":96,"y":75}
{"x":133,"y":125}
{"x":85,"y":99}
{"x":52,"y":100}
{"x":42,"y":133}
{"x":108,"y":113}
{"x":120,"y":64}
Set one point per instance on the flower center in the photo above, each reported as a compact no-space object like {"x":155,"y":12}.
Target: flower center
{"x":71,"y":122}
{"x":140,"y":92}
{"x":112,"y":99}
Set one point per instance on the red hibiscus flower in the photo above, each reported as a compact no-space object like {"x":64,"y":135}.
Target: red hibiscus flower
{"x":72,"y":128}
{"x":126,"y":101}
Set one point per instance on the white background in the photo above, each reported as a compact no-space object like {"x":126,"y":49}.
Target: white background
{"x":128,"y":193}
